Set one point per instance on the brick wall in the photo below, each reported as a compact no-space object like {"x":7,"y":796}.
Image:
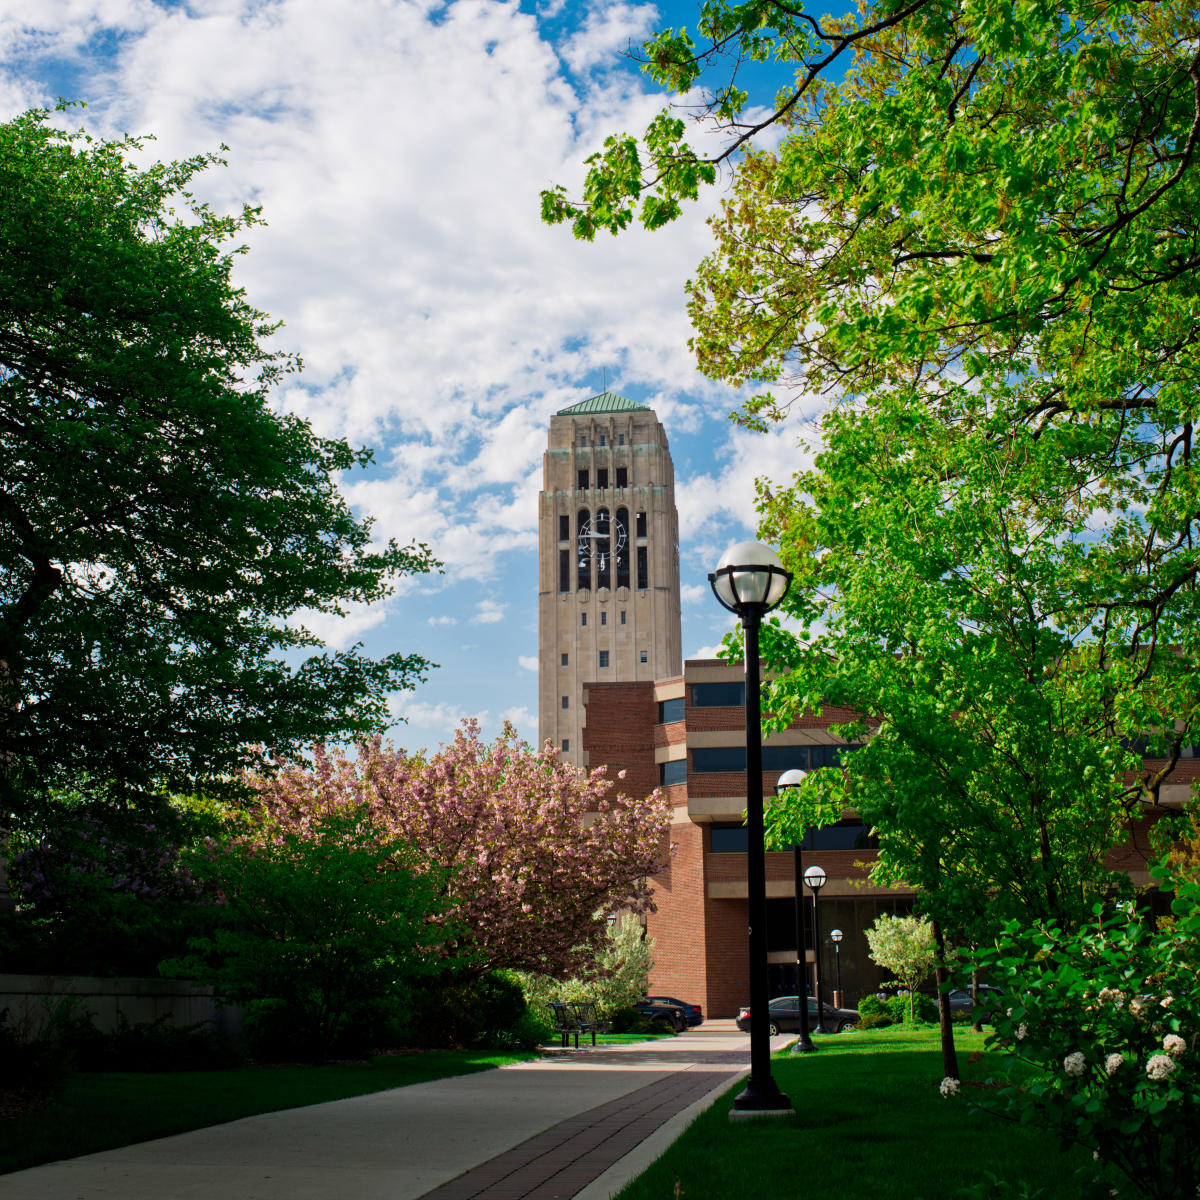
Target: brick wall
{"x":618,"y":718}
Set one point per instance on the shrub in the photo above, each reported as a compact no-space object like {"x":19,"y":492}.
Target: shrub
{"x":1102,"y":1030}
{"x":874,"y":1020}
{"x":101,"y":890}
{"x":329,"y":921}
{"x":158,"y":1045}
{"x":914,"y":1009}
{"x":489,"y":1012}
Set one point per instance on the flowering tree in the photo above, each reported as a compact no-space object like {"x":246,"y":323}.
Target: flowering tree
{"x":534,"y":853}
{"x":1102,"y":1029}
{"x":904,"y":946}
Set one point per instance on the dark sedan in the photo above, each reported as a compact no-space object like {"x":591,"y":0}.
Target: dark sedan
{"x":785,"y":1016}
{"x":692,"y":1011}
{"x":989,"y":998}
{"x":664,"y":1014}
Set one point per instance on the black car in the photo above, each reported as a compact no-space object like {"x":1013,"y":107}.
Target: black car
{"x":667,"y":1014}
{"x":691,"y":1011}
{"x":989,"y":998}
{"x":785,"y":1016}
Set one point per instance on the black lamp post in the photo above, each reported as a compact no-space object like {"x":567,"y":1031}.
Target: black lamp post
{"x":788,"y":780}
{"x":750,"y":581}
{"x":815,"y":878}
{"x":835,"y":936}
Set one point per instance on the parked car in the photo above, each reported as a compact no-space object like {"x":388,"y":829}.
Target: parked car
{"x":989,"y":998}
{"x":785,"y":1016}
{"x":692,"y":1011}
{"x":669,"y":1014}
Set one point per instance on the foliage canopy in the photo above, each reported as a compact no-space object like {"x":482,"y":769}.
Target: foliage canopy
{"x":978,"y":235}
{"x":160,"y":525}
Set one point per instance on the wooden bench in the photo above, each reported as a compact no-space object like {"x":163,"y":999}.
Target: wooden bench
{"x":570,"y":1020}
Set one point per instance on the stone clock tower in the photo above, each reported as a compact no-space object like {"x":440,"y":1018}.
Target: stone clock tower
{"x":608,"y":560}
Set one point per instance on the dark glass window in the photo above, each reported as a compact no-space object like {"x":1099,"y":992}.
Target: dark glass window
{"x":566,"y":702}
{"x":845,"y":835}
{"x":643,"y":570}
{"x":620,"y":439}
{"x":670,"y":710}
{"x":604,"y":618}
{"x":719,"y":695}
{"x":623,"y":559}
{"x":564,"y":570}
{"x":643,"y":656}
{"x":622,"y":616}
{"x":604,"y":658}
{"x":564,"y":660}
{"x":564,"y":528}
{"x":566,"y":744}
{"x":674,"y":771}
{"x":622,"y":477}
{"x":583,"y":579}
{"x":583,"y":477}
{"x":719,"y":758}
{"x":641,"y":524}
{"x":583,"y":618}
{"x":603,"y":440}
{"x":602,"y":475}
{"x":805,"y":758}
{"x":602,"y":549}
{"x":729,"y":839}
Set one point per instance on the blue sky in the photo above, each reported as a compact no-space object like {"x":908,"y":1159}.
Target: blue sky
{"x":398,"y":148}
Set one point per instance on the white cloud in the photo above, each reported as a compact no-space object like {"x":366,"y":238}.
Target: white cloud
{"x":528,"y":662}
{"x":608,"y":32}
{"x":695,"y":593}
{"x":489,"y":612}
{"x":340,"y":632}
{"x":443,"y":620}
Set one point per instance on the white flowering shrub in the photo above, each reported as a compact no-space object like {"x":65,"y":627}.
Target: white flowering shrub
{"x":1101,"y":1029}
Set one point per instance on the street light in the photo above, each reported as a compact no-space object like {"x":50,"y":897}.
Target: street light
{"x":750,"y":581}
{"x":815,"y":878}
{"x":835,"y":936}
{"x":786,"y":782}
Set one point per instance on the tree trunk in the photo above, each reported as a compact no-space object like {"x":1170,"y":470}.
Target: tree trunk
{"x":945,"y":1021}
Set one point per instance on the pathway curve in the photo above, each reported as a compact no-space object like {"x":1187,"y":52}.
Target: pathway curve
{"x":579,"y":1123}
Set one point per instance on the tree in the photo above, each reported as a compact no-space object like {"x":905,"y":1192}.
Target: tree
{"x":904,"y":946}
{"x":615,"y":979}
{"x":323,"y":920}
{"x":981,"y":243}
{"x":533,"y":853}
{"x":160,"y":526}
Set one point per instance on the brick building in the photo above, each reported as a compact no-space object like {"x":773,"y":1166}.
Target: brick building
{"x":687,"y":735}
{"x":614,"y":692}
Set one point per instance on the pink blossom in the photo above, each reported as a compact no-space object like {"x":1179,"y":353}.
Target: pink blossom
{"x":534,"y":850}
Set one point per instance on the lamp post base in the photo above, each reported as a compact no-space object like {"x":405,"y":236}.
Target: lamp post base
{"x":803,"y":1045}
{"x":758,"y":1103}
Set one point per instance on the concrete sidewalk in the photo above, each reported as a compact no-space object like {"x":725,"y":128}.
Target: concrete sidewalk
{"x":580,"y":1123}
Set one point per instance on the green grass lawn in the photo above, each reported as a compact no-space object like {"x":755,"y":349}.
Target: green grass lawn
{"x":101,"y":1111}
{"x":870,"y":1125}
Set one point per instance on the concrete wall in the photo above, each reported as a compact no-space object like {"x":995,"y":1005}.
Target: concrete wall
{"x":31,"y":999}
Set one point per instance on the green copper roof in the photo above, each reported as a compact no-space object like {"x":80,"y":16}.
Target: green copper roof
{"x":606,"y":402}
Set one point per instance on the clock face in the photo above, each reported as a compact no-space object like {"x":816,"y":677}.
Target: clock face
{"x":601,"y":539}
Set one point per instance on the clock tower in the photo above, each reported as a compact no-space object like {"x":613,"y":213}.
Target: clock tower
{"x":608,"y":560}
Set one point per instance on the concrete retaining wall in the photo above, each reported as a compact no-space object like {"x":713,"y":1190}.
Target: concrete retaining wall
{"x":30,"y":999}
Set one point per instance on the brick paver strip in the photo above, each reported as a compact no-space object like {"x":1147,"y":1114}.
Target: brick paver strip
{"x":562,"y":1160}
